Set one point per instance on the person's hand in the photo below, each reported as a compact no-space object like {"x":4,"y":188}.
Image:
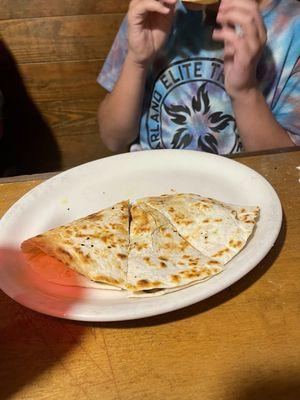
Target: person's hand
{"x":149,"y":24}
{"x":244,"y":36}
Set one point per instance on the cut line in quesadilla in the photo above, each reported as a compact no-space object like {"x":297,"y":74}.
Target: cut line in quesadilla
{"x":159,"y":257}
{"x":216,"y":229}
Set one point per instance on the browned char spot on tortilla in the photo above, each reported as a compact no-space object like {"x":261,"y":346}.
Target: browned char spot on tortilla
{"x":65,"y":253}
{"x":107,"y":279}
{"x":235,"y":243}
{"x":179,"y":217}
{"x":186,"y":222}
{"x":122,"y":241}
{"x":86,"y":235}
{"x":124,"y":205}
{"x":163,"y":264}
{"x":106,"y":238}
{"x":183,"y":245}
{"x":193,"y":263}
{"x":175,"y":278}
{"x":220,"y":253}
{"x":142,"y":229}
{"x":203,"y":205}
{"x":163,"y":258}
{"x":140,"y":246}
{"x":170,"y":245}
{"x":195,"y":274}
{"x":122,"y":256}
{"x":213,"y":262}
{"x":113,"y":225}
{"x":244,"y":217}
{"x":168,"y":235}
{"x":144,"y":284}
{"x":87,"y":257}
{"x":95,"y":217}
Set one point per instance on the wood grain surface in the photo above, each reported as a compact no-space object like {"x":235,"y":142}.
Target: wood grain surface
{"x":242,"y":343}
{"x":53,"y":39}
{"x":19,"y":9}
{"x":63,"y":81}
{"x":51,"y":53}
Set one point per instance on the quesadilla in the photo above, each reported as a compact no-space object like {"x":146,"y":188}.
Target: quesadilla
{"x":95,"y":246}
{"x":159,"y":245}
{"x":216,"y":229}
{"x":159,"y":257}
{"x":52,"y":270}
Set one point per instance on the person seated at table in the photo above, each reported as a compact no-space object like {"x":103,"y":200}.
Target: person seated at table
{"x":1,"y":121}
{"x":178,"y":80}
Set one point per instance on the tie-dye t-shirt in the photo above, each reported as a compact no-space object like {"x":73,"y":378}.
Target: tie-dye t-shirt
{"x":185,"y":103}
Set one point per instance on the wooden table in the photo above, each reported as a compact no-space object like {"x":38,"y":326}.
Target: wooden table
{"x":243,"y":343}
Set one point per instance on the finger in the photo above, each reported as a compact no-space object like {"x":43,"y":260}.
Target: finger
{"x":252,"y":10}
{"x":245,"y":4}
{"x":170,"y":4}
{"x":142,"y":7}
{"x":245,"y":21}
{"x":230,"y":39}
{"x":167,"y":3}
{"x":229,"y":50}
{"x":233,"y":44}
{"x":221,"y":35}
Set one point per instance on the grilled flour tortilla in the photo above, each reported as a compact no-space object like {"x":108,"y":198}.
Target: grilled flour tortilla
{"x":52,"y":270}
{"x":159,"y":257}
{"x":173,"y":242}
{"x":95,"y":246}
{"x":218,"y":230}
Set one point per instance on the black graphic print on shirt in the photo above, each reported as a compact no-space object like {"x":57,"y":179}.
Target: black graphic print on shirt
{"x":189,"y":109}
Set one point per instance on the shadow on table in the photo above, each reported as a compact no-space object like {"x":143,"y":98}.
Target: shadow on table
{"x":28,"y":145}
{"x":215,"y":300}
{"x":30,"y":343}
{"x":279,"y":386}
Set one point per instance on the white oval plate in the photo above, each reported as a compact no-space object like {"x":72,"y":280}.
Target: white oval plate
{"x":98,"y":184}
